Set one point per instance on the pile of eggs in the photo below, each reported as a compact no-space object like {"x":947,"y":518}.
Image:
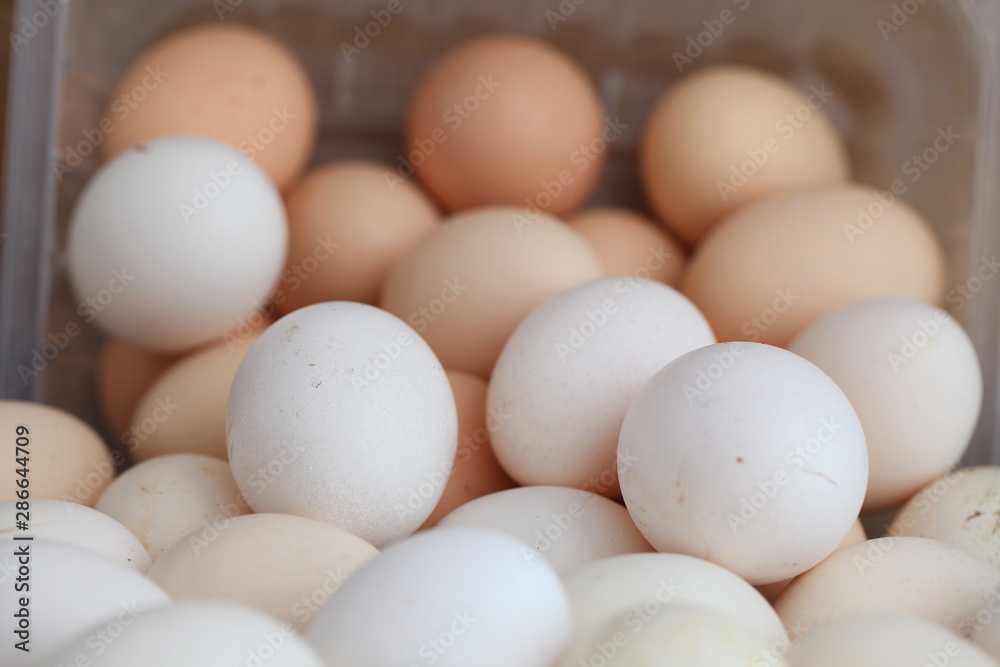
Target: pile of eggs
{"x":437,"y":412}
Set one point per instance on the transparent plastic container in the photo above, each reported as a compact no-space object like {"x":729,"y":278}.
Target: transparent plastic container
{"x":902,"y":71}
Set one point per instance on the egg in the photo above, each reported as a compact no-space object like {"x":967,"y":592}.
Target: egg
{"x":73,"y":594}
{"x":177,"y":635}
{"x":876,"y":640}
{"x":635,"y":588}
{"x":166,"y":498}
{"x":895,"y":575}
{"x":228,"y":82}
{"x":450,"y":596}
{"x":960,"y":508}
{"x":184,"y":411}
{"x":466,"y":285}
{"x":175,"y":241}
{"x":124,"y":372}
{"x":66,"y":459}
{"x":776,"y":266}
{"x":302,"y":561}
{"x":569,"y":372}
{"x":913,"y":376}
{"x":567,"y":527}
{"x":348,"y":226}
{"x":745,"y":455}
{"x":727,"y":136}
{"x":476,"y":471}
{"x":630,"y":244}
{"x":341,"y":412}
{"x":489,"y":103}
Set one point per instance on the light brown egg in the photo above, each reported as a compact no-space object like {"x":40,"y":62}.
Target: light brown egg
{"x":66,"y":459}
{"x":629,"y":244}
{"x":124,"y":372}
{"x":348,"y":224}
{"x":229,"y":83}
{"x":467,"y":284}
{"x":184,"y":411}
{"x":730,"y":135}
{"x":774,"y":267}
{"x":477,"y":472}
{"x":506,"y":120}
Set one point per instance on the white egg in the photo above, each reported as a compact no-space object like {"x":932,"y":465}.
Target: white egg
{"x":877,"y":640}
{"x":163,"y":499}
{"x":568,"y":527}
{"x":451,"y":597}
{"x":913,"y":376}
{"x":197,"y":634}
{"x":70,"y":592}
{"x":895,"y":575}
{"x":570,"y":370}
{"x":340,"y":412}
{"x":173,"y":241}
{"x":747,"y":456}
{"x":634,"y":588}
{"x":79,"y":526}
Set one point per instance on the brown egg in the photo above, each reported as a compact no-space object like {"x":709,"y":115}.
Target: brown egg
{"x":124,"y":372}
{"x":467,"y":284}
{"x":730,"y":135}
{"x":184,"y":411}
{"x":66,"y":459}
{"x":477,"y":472}
{"x":348,"y":225}
{"x":774,"y":267}
{"x":507,"y":120}
{"x":629,"y":244}
{"x":230,"y":83}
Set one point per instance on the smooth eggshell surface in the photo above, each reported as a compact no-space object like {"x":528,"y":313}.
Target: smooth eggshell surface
{"x":571,"y":369}
{"x":454,"y":596}
{"x":342,"y":413}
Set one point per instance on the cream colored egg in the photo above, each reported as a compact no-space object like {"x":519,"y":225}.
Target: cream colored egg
{"x":124,"y":373}
{"x":166,"y":498}
{"x":286,"y":566}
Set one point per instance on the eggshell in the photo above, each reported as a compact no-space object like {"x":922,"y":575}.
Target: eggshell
{"x":774,"y":267}
{"x":630,"y":244}
{"x":74,"y":593}
{"x":342,"y":413}
{"x":571,"y":369}
{"x":568,"y":527}
{"x":286,"y":566}
{"x":165,"y":498}
{"x":76,"y":525}
{"x":184,"y":411}
{"x":174,"y":241}
{"x":913,"y":376}
{"x":225,"y":82}
{"x":490,"y":102}
{"x":634,"y":588}
{"x":745,"y":455}
{"x":476,"y":471}
{"x":124,"y":372}
{"x":468,"y":283}
{"x":727,"y":136}
{"x":675,"y":636}
{"x":451,"y":596}
{"x":877,"y":640}
{"x":895,"y":575}
{"x":198,"y":634}
{"x":960,"y":508}
{"x":67,"y":459}
{"x":348,"y":226}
